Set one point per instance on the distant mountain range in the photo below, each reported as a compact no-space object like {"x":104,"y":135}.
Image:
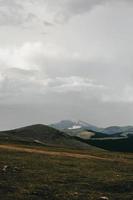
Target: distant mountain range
{"x":80,"y":125}
{"x":113,"y":138}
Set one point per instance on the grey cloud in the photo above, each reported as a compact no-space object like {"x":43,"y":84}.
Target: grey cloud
{"x":15,"y":12}
{"x":71,"y":8}
{"x":81,"y":70}
{"x":47,"y":23}
{"x":56,"y":73}
{"x":11,"y":13}
{"x":27,"y":83}
{"x":65,"y":9}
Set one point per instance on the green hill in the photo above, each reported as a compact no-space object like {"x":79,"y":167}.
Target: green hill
{"x":41,"y":134}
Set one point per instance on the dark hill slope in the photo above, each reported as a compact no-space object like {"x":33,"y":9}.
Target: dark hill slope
{"x":120,"y":145}
{"x":42,"y":134}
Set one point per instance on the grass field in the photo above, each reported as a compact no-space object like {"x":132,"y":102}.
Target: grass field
{"x":35,"y":176}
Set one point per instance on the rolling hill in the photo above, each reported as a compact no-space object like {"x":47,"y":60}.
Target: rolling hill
{"x":41,"y":134}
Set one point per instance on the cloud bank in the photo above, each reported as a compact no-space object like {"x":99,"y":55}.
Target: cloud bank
{"x":81,"y":68}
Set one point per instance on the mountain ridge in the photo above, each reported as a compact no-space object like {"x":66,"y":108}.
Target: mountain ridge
{"x":68,"y":124}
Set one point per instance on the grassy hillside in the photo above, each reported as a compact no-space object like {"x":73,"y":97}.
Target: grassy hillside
{"x":31,"y":176}
{"x":41,"y":134}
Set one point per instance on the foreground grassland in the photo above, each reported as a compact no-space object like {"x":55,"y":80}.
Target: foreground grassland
{"x":35,"y":176}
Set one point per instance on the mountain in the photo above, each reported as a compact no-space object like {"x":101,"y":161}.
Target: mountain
{"x":113,"y":138}
{"x":78,"y":127}
{"x":64,"y":124}
{"x":112,"y":130}
{"x":117,"y":129}
{"x":71,"y":125}
{"x":41,"y":134}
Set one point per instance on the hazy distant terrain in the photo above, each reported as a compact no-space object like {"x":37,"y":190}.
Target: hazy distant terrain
{"x":71,"y":125}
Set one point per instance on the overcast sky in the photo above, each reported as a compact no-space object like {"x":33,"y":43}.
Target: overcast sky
{"x":66,"y":59}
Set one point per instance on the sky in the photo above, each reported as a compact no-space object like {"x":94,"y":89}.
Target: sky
{"x":66,"y":59}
